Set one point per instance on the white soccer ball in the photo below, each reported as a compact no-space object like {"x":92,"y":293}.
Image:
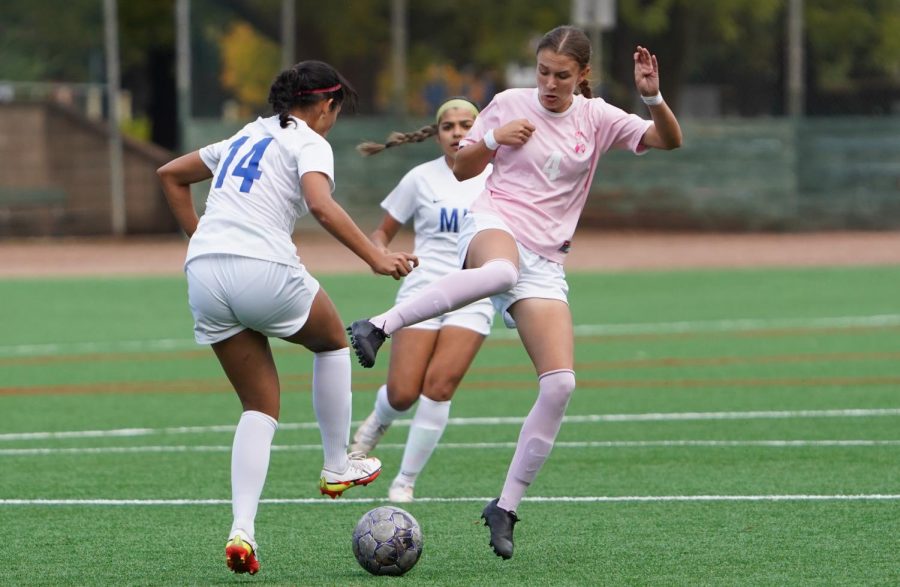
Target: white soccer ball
{"x":387,"y":541}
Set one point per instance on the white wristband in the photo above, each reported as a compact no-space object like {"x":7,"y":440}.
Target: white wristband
{"x":653,"y":100}
{"x":489,"y":141}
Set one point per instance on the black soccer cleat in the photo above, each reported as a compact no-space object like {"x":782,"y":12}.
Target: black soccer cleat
{"x":501,"y":523}
{"x":366,"y":339}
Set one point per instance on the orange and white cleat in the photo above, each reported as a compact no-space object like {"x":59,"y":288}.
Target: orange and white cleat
{"x":362,"y":470}
{"x":240,"y":555}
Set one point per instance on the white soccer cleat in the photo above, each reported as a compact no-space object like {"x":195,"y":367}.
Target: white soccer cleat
{"x":360,"y":471}
{"x":400,"y":492}
{"x":368,"y":434}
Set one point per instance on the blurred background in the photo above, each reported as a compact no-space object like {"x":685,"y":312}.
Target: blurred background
{"x":791,"y":108}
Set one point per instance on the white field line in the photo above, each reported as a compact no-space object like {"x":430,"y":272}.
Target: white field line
{"x":482,"y":421}
{"x":351,"y":501}
{"x":78,"y":348}
{"x":737,"y":325}
{"x":225,"y":448}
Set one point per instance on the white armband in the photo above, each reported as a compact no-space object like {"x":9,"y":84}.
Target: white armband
{"x":653,"y":100}
{"x":489,"y":141}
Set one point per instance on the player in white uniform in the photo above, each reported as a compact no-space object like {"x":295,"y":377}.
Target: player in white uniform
{"x":246,"y":282}
{"x":428,"y":359}
{"x":545,"y":144}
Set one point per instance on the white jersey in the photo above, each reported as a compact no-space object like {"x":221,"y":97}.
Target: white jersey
{"x":255,"y":198}
{"x":431,"y":195}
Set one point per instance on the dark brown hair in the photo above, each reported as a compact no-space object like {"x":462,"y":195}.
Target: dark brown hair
{"x":308,"y":83}
{"x":571,"y":41}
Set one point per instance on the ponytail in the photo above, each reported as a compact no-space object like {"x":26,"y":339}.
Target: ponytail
{"x":585,"y":88}
{"x":368,"y":148}
{"x":308,"y":83}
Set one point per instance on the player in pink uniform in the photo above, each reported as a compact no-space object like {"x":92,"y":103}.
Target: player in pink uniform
{"x":545,"y":143}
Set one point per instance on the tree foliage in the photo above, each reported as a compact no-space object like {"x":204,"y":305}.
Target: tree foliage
{"x":51,"y":41}
{"x":736,"y":46}
{"x":854,"y":40}
{"x":248,"y":60}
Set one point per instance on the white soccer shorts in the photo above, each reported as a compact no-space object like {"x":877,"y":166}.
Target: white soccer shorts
{"x":539,"y":277}
{"x":228,"y":294}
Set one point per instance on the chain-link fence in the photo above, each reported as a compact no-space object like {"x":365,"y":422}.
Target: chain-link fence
{"x":194,"y":71}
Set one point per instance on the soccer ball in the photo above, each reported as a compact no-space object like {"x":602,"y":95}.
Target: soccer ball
{"x":387,"y":541}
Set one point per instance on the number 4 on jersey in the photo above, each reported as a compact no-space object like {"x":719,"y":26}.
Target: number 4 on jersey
{"x":248,"y":166}
{"x":551,"y":167}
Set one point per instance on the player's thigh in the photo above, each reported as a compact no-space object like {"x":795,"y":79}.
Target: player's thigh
{"x":323,"y":330}
{"x":491,"y":244}
{"x":411,"y":349}
{"x":453,"y":355}
{"x":545,"y":327}
{"x":247,"y":360}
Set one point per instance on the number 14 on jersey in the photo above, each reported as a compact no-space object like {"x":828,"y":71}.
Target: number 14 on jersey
{"x":248,"y":167}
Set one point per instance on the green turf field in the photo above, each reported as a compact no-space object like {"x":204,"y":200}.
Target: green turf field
{"x":730,"y":428}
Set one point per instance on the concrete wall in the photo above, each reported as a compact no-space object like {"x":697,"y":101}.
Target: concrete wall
{"x":55,"y":176}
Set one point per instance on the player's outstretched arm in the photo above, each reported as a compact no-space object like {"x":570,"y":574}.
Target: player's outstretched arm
{"x":665,"y":132}
{"x":338,"y":223}
{"x":176,"y":177}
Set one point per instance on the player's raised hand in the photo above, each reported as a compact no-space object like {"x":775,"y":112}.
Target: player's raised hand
{"x":646,"y":72}
{"x":396,"y":265}
{"x":515,"y":133}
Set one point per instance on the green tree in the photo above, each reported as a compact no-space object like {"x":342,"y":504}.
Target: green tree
{"x":51,"y":41}
{"x":854,"y":40}
{"x":248,"y":60}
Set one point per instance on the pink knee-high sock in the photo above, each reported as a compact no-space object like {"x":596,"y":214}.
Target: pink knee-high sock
{"x":538,"y":435}
{"x":449,"y":293}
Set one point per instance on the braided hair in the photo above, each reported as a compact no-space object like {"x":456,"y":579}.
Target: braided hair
{"x":571,"y":41}
{"x":308,"y":83}
{"x":395,"y":139}
{"x":367,"y":148}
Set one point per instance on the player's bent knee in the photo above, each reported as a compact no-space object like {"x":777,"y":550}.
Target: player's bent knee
{"x":503,"y":274}
{"x":401,"y":405}
{"x":556,"y":389}
{"x":440,"y":387}
{"x":440,"y":392}
{"x":402,"y":399}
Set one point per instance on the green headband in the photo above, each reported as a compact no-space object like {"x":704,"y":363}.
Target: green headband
{"x":455,"y":103}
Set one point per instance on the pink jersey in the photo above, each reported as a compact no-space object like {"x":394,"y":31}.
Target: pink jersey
{"x":540,"y":188}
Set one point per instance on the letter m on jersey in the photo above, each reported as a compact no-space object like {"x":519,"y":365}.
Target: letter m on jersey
{"x":449,"y":220}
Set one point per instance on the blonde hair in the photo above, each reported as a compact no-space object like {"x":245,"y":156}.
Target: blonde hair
{"x":368,"y":148}
{"x":455,"y":102}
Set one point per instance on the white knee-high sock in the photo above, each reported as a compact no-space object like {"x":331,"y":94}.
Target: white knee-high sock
{"x":538,"y":435}
{"x":384,"y":411}
{"x":427,"y":428}
{"x":331,"y":402}
{"x":449,"y":293}
{"x":249,"y":467}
